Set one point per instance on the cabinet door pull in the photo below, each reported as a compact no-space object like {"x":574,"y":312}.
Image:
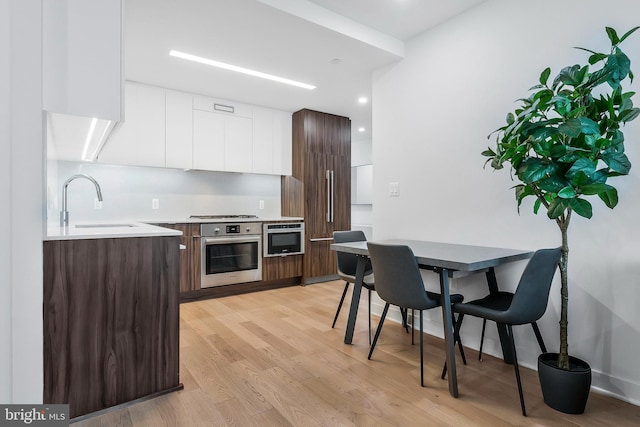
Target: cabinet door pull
{"x":321,"y":239}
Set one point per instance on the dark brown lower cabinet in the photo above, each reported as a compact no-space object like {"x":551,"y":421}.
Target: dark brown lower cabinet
{"x":111,"y":321}
{"x":281,"y":267}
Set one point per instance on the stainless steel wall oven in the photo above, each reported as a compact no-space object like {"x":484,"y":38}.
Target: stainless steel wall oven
{"x":231,"y":253}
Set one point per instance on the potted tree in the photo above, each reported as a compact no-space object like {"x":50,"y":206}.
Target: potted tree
{"x":563,"y":143}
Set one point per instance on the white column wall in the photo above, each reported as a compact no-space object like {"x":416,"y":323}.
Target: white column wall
{"x":21,"y":213}
{"x":5,"y":216}
{"x":432,"y":114}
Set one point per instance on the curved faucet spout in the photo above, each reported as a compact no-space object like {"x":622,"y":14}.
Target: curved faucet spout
{"x":64,"y":214}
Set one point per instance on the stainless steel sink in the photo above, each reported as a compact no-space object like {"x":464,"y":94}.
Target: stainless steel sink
{"x":104,"y":225}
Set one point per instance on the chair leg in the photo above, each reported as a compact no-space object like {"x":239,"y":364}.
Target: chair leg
{"x":375,"y":337}
{"x":536,"y":331}
{"x":369,"y":316}
{"x":515,"y":366}
{"x":344,"y":293}
{"x":421,"y":353}
{"x":484,"y":326}
{"x":412,"y":328}
{"x":405,"y":323}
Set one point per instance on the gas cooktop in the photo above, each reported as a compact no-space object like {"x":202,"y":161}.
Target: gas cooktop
{"x":222,"y":216}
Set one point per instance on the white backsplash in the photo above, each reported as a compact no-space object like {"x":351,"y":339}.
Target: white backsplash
{"x":128,"y":192}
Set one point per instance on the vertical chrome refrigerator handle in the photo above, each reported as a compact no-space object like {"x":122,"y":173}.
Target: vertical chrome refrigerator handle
{"x":328,"y":178}
{"x":333,"y":195}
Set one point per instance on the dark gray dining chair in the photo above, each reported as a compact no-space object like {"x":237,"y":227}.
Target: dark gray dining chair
{"x":347,"y":264}
{"x":526,"y":305}
{"x":399,"y":282}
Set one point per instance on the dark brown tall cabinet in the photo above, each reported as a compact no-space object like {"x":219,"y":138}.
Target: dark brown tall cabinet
{"x":320,"y":187}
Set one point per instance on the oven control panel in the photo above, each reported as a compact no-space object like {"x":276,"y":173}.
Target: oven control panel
{"x":228,"y":229}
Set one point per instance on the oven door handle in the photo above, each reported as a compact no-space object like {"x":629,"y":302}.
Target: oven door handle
{"x":222,"y":240}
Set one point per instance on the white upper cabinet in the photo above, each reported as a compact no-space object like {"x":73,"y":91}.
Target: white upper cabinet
{"x":271,"y":141}
{"x":233,"y":121}
{"x":82,"y":58}
{"x":263,"y":140}
{"x":238,"y":145}
{"x":282,"y":151}
{"x":208,"y":140}
{"x":173,"y":129}
{"x":179,"y":130}
{"x":140,"y":141}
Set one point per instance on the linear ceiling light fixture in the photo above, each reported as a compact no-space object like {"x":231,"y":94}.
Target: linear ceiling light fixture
{"x":242,"y":70}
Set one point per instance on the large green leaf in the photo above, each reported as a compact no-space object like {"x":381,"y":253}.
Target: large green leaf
{"x":591,"y":189}
{"x":571,"y":128}
{"x":532,"y":170}
{"x":557,"y":207}
{"x":628,"y":115}
{"x":552,"y":184}
{"x":596,"y":57}
{"x":613,"y":36}
{"x":609,"y":197}
{"x":567,"y":192}
{"x":536,"y":206}
{"x":544,"y":76}
{"x":582,"y":207}
{"x":585,"y":166}
{"x":568,"y":75}
{"x":627,"y":34}
{"x":488,"y":153}
{"x":574,"y":127}
{"x":523,"y":191}
{"x":620,"y":65}
{"x":617,"y":162}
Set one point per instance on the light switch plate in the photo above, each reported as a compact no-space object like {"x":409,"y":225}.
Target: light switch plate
{"x":261,"y":204}
{"x":394,"y":189}
{"x":155,"y":203}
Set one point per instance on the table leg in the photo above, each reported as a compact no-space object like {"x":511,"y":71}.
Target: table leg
{"x":355,"y":299}
{"x":505,"y":343}
{"x":448,"y":332}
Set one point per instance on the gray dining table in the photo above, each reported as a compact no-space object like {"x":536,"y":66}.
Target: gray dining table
{"x":449,"y":261}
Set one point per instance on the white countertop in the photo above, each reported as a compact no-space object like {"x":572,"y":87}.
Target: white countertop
{"x":203,"y":221}
{"x":107,"y":230}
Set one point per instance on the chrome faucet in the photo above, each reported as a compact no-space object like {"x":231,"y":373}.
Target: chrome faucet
{"x":64,"y":214}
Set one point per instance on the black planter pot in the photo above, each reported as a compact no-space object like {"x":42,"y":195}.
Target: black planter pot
{"x":564,"y":390}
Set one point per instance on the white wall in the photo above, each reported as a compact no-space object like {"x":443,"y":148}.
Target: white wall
{"x":5,"y":208}
{"x":21,"y":213}
{"x":361,"y":215}
{"x":128,"y":191}
{"x":431,"y":116}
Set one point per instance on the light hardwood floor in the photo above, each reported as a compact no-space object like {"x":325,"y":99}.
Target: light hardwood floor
{"x":271,"y":359}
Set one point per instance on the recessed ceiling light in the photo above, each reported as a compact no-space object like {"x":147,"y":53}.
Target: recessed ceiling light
{"x":363,"y":100}
{"x":361,"y":129}
{"x":242,"y":70}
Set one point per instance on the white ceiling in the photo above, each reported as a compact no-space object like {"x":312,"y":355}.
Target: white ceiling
{"x":296,"y":39}
{"x":402,"y":19}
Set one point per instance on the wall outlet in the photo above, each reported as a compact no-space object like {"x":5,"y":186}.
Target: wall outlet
{"x":394,"y":189}
{"x":261,"y":204}
{"x":97,"y":204}
{"x":155,"y":203}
